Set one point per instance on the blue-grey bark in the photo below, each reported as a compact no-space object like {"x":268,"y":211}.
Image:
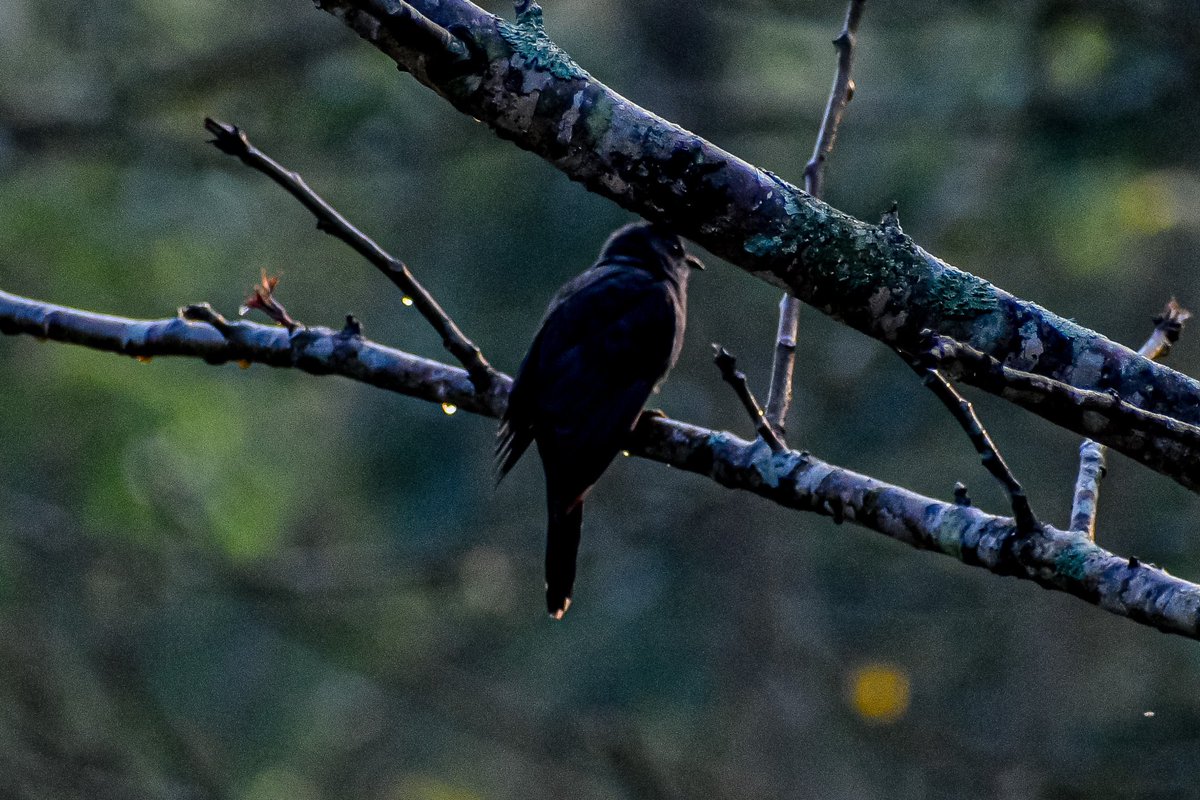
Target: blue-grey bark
{"x":872,"y":277}
{"x":1055,"y":559}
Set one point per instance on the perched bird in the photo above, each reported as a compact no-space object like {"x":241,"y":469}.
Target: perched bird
{"x":608,"y":338}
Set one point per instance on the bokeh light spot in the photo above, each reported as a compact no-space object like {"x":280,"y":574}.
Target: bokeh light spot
{"x":880,"y":692}
{"x":1079,"y":52}
{"x":1147,"y":205}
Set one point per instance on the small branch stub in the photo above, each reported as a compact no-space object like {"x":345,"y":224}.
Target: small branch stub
{"x":203,"y":312}
{"x":420,"y":32}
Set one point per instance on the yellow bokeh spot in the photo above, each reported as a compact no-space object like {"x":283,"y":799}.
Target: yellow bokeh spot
{"x":144,"y":359}
{"x":406,"y":300}
{"x":1147,"y":205}
{"x":880,"y":692}
{"x":449,"y":408}
{"x":243,"y":363}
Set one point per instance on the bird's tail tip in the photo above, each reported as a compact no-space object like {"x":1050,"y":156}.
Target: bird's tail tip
{"x":557,"y":607}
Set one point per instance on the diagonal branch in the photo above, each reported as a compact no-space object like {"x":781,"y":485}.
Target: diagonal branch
{"x":1157,"y":439}
{"x":874,"y":279}
{"x":1092,"y":468}
{"x":993,"y":462}
{"x":727,"y":364}
{"x":232,"y":140}
{"x":779,"y":397}
{"x":1051,"y":558}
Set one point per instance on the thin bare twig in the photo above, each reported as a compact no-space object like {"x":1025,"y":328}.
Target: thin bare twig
{"x":992,"y":461}
{"x":1092,"y":467}
{"x":232,"y":140}
{"x":779,"y":396}
{"x":727,"y":364}
{"x":840,"y":95}
{"x":1052,"y":558}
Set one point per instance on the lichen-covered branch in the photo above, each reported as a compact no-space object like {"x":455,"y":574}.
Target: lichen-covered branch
{"x":319,"y":351}
{"x":1052,"y":558}
{"x":1086,"y":498}
{"x":872,"y":277}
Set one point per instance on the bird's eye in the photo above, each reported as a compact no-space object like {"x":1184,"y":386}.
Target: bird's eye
{"x":676,"y":249}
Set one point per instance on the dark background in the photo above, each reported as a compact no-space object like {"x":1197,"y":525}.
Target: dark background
{"x":217,"y":583}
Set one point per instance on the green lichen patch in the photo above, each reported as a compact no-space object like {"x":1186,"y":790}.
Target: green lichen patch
{"x":1072,"y":561}
{"x":774,"y":467}
{"x":955,"y":293}
{"x":528,"y":39}
{"x":762,"y":245}
{"x":950,"y":528}
{"x":597,"y":113}
{"x":962,"y":295}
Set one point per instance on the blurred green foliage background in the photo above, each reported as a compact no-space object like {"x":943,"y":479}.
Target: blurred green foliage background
{"x":218,"y":583}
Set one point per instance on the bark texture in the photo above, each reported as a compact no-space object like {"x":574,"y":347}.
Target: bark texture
{"x":872,"y":277}
{"x":1055,"y":559}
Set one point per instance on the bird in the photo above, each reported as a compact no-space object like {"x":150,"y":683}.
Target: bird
{"x":607,"y":340}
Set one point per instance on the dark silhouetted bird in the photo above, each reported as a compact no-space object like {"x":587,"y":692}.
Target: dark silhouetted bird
{"x":608,"y":338}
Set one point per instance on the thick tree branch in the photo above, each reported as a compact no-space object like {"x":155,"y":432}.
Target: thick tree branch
{"x":1052,"y":558}
{"x":1092,"y":468}
{"x":871,"y":277}
{"x":232,"y":140}
{"x":779,"y":398}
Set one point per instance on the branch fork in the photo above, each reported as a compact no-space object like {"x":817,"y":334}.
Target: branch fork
{"x":233,"y":141}
{"x":1168,"y":326}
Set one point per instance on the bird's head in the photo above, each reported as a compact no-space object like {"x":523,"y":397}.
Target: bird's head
{"x":651,"y":247}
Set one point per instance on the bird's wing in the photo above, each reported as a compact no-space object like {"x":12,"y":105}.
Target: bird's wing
{"x":604,"y":343}
{"x":607,"y":339}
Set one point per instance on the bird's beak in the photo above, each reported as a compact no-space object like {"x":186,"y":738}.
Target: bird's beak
{"x":693,"y":262}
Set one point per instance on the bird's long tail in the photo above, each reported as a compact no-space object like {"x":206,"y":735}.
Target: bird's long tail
{"x":562,"y":546}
